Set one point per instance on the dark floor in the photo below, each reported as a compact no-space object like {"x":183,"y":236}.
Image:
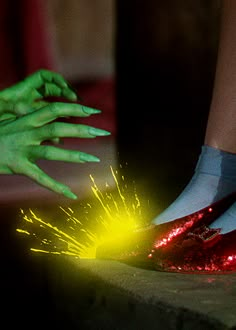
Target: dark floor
{"x":26,"y":285}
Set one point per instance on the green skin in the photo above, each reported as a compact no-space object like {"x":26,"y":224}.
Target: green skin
{"x":27,"y":120}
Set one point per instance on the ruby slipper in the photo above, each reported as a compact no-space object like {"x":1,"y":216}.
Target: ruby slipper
{"x":154,"y":245}
{"x":202,"y":250}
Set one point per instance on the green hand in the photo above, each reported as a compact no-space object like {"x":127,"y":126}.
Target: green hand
{"x":27,"y":95}
{"x":21,"y":142}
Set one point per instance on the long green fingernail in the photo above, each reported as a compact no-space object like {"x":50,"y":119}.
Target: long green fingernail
{"x":90,"y":111}
{"x":89,"y":158}
{"x":69,"y":194}
{"x":98,"y":132}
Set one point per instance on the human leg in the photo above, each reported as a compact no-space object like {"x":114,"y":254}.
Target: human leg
{"x":214,"y":175}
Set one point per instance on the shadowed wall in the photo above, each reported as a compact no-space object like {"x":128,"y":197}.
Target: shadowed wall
{"x":166,"y":56}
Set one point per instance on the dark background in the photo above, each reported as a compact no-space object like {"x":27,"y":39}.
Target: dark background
{"x":165,"y":62}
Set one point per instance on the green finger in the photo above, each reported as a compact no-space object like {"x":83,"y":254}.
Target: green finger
{"x":67,"y":90}
{"x":53,"y":76}
{"x":40,"y":84}
{"x":55,"y":141}
{"x":24,"y":108}
{"x":39,"y":104}
{"x":53,"y":153}
{"x":40,"y":77}
{"x":69,"y":94}
{"x":50,"y":89}
{"x":6,"y":107}
{"x":58,"y":129}
{"x":7,"y":118}
{"x":56,"y":110}
{"x":36,"y":174}
{"x":73,"y":89}
{"x":36,"y":84}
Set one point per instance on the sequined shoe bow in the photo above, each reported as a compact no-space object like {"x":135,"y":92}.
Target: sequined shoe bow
{"x":175,"y":245}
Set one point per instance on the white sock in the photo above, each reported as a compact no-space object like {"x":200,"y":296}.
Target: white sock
{"x":214,"y":179}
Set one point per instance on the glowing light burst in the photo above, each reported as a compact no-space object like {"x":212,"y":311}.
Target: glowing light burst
{"x":111,"y":215}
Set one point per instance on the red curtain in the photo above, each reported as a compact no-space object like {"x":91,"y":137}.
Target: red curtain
{"x":24,"y":39}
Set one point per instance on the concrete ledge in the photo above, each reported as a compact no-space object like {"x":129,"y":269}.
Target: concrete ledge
{"x":100,"y":294}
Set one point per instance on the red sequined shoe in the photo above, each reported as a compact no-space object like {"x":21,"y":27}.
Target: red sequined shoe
{"x":203,"y":250}
{"x":154,"y":246}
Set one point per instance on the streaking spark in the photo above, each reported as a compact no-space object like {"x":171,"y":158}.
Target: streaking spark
{"x":112,"y":214}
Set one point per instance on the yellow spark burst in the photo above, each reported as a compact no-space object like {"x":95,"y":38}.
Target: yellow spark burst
{"x":112,"y":214}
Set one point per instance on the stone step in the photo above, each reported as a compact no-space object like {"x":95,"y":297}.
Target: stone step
{"x":101,"y":294}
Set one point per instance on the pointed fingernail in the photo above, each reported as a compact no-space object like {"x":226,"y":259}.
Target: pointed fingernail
{"x":90,"y":111}
{"x":98,"y":132}
{"x":69,"y":194}
{"x":89,"y":158}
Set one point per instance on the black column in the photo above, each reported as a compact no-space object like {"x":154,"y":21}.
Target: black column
{"x":165,"y":62}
